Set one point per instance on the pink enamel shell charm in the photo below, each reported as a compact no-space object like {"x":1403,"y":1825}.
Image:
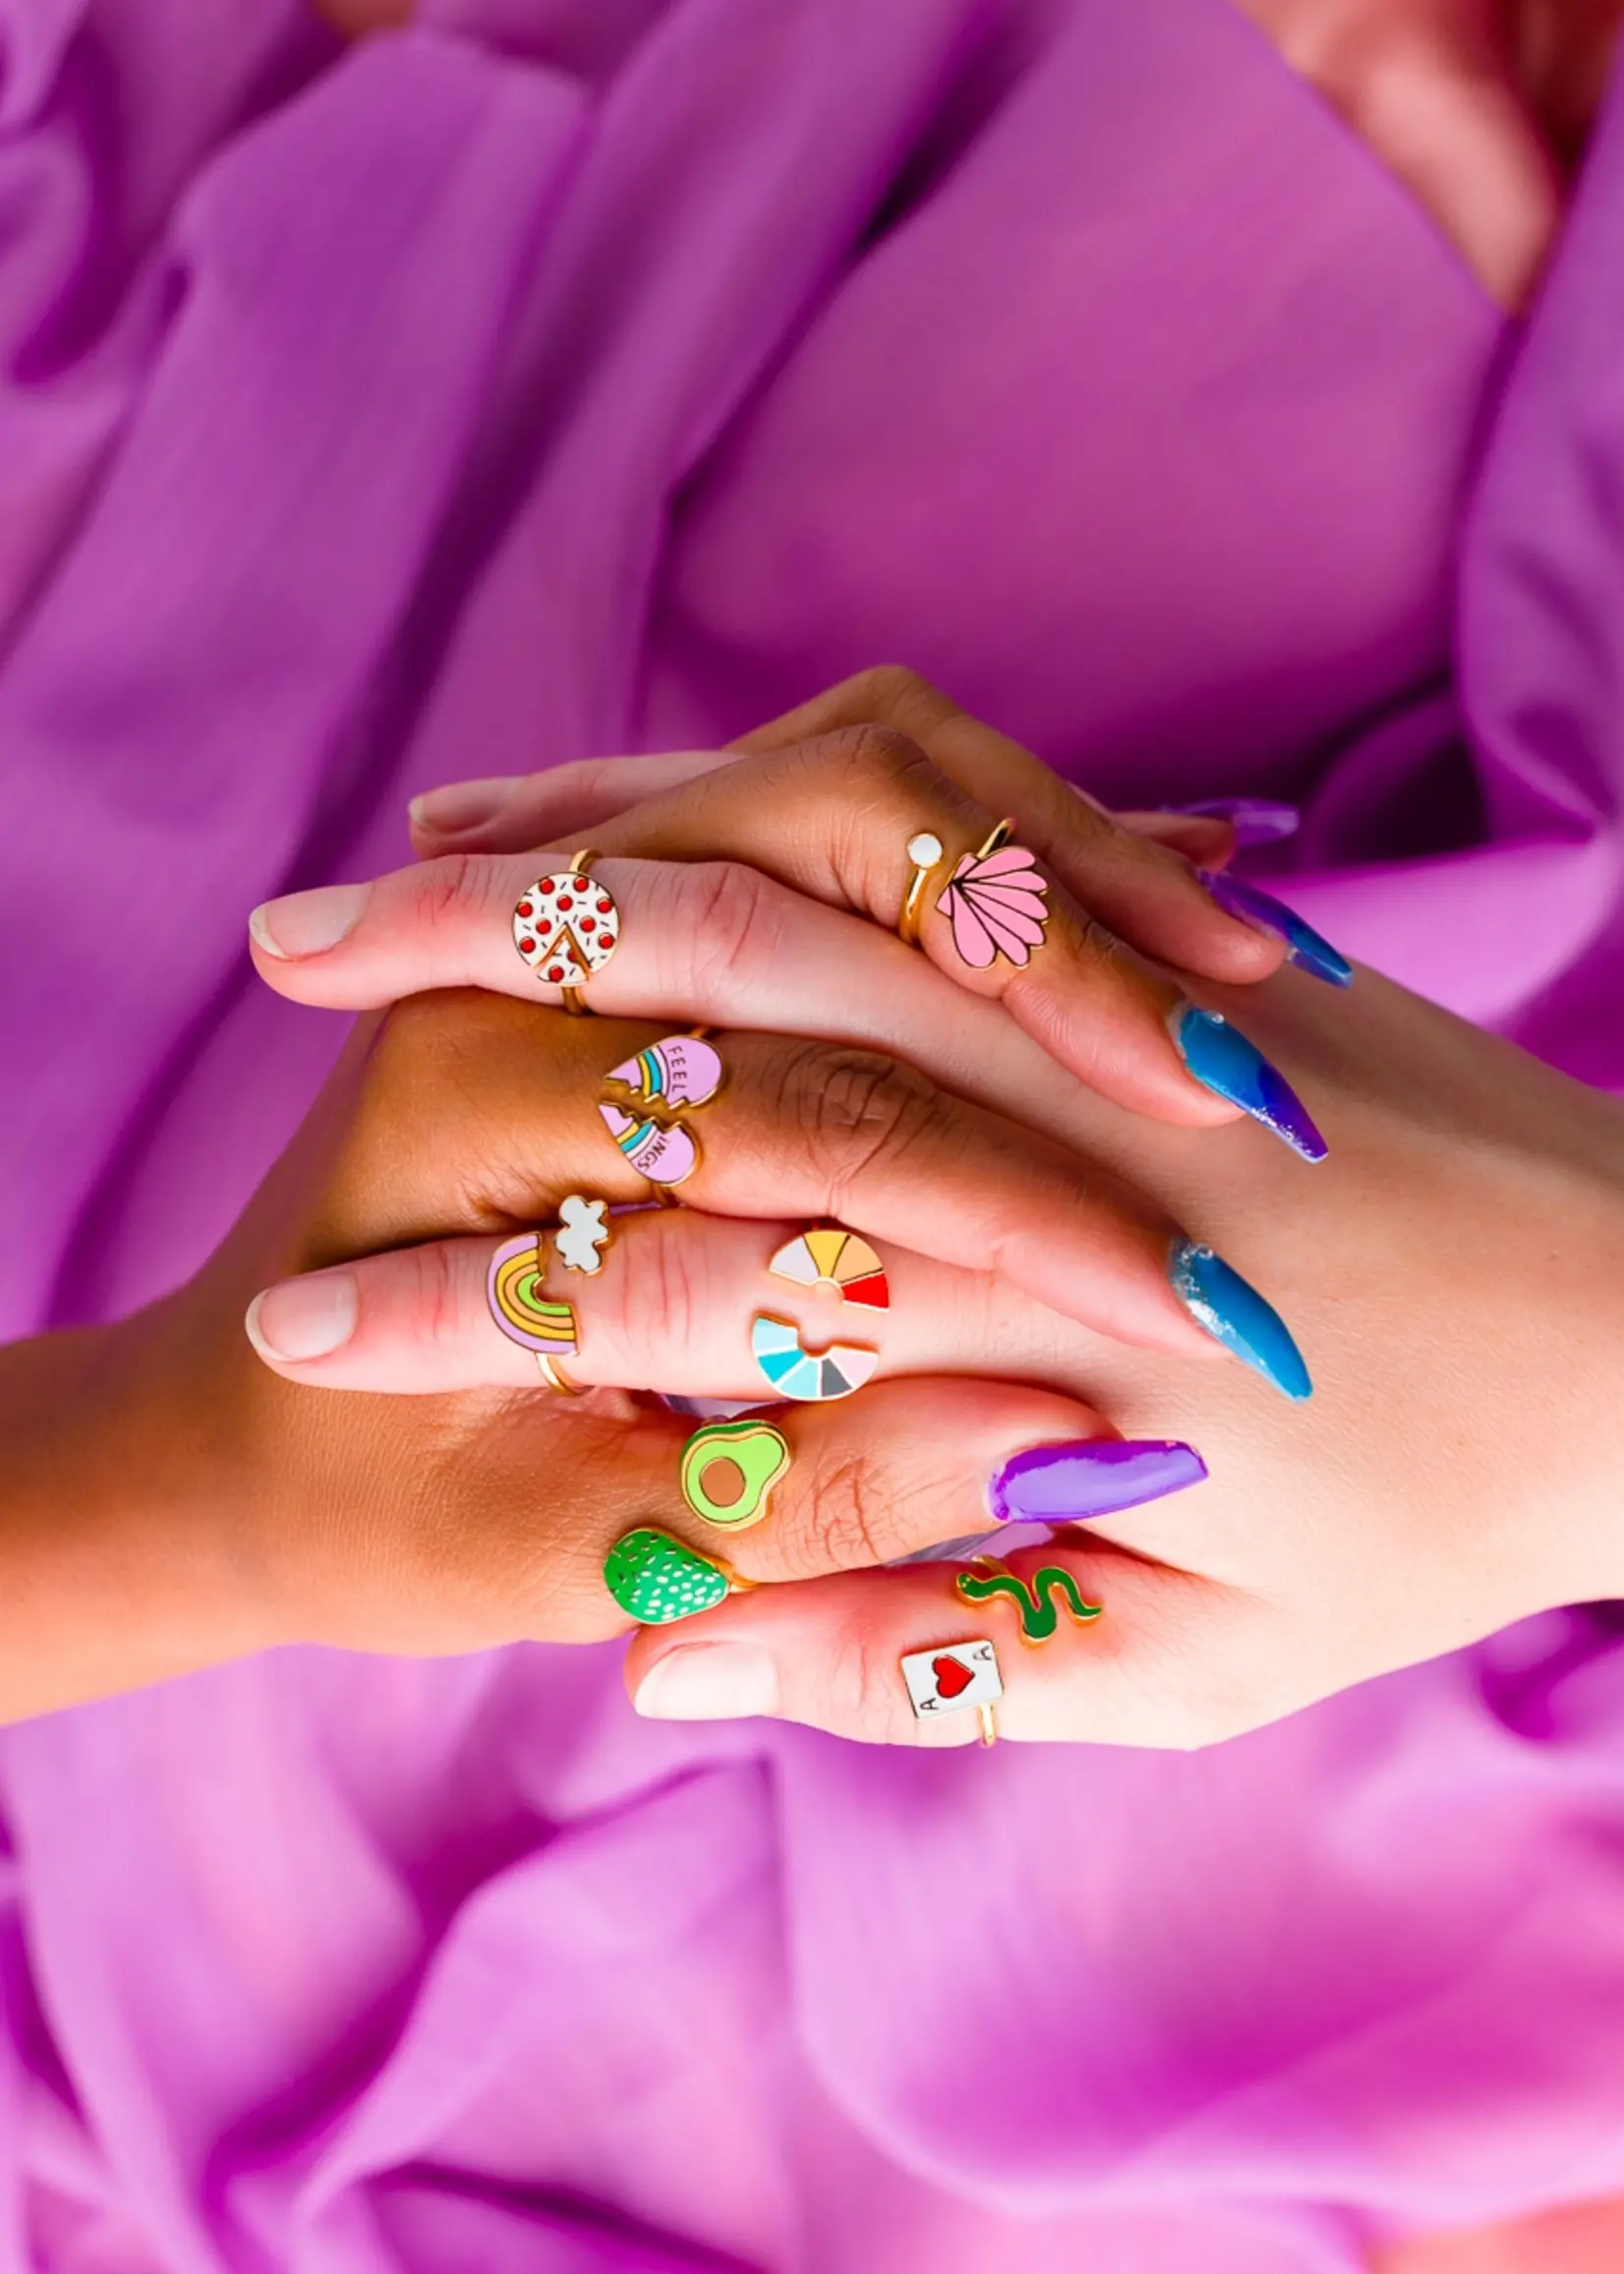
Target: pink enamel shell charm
{"x":995,"y":904}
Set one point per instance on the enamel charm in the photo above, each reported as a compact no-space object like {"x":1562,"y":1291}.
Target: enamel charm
{"x":953,"y":1678}
{"x":832,"y":1257}
{"x":566,"y":926}
{"x":658,"y":1580}
{"x":583,"y":1233}
{"x":730,"y":1469}
{"x":995,"y":902}
{"x":812,"y":1378}
{"x":1037,"y":1599}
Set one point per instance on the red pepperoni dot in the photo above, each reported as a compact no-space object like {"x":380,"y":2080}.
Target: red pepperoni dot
{"x":589,"y":923}
{"x":524,"y":909}
{"x":605,"y":908}
{"x":555,"y":972}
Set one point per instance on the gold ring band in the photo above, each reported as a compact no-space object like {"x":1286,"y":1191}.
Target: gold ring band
{"x":575,"y":1002}
{"x":925,"y":857}
{"x":988,"y":1716}
{"x":555,"y":1376}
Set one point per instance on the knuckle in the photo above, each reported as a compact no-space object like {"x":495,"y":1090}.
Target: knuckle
{"x":870,"y":756}
{"x":440,"y":1299}
{"x":659,"y":1293}
{"x":857,"y":1108}
{"x":1100,"y":947}
{"x":450,"y":890}
{"x":844,"y":1519}
{"x":735,"y":920}
{"x":895,"y":691}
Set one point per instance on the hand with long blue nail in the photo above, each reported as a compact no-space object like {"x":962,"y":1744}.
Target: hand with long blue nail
{"x":1455,"y":1282}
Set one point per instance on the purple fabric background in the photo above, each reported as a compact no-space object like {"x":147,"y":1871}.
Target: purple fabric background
{"x":582,"y":374}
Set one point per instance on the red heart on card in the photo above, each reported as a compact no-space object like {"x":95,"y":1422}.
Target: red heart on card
{"x":950,"y":1677}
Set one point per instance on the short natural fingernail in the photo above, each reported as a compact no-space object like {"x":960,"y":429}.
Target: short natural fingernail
{"x":1309,"y":950}
{"x":461,"y":806}
{"x":309,"y":923}
{"x":1233,"y":1313}
{"x":1222,"y":1060}
{"x":1255,"y":820}
{"x":303,"y":1318}
{"x":710,"y":1682}
{"x":1070,"y":1483}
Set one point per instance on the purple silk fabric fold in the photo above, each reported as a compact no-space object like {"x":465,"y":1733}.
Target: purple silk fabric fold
{"x":566,"y":377}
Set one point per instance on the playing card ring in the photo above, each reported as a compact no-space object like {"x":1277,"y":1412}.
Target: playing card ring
{"x":953,"y":1677}
{"x":566,"y":926}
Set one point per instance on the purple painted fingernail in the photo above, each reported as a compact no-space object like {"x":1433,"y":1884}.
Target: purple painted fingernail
{"x":1255,"y":820}
{"x":1309,"y":950}
{"x":1093,"y":1477}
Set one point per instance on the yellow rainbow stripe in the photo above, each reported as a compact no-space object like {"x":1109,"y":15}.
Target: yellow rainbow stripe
{"x":522,"y":1310}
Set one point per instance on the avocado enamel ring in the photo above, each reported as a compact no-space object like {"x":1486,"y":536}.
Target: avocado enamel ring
{"x":566,"y":926}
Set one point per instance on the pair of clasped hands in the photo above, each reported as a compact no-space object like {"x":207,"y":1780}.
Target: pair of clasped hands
{"x":1079,"y":1171}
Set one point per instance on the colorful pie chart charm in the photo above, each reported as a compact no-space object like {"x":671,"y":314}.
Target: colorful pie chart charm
{"x":839,"y":1260}
{"x":566,"y":926}
{"x":811,"y":1377}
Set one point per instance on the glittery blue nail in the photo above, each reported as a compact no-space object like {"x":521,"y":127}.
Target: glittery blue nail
{"x":1305,"y":946}
{"x":1237,"y":1315}
{"x":1222,"y":1060}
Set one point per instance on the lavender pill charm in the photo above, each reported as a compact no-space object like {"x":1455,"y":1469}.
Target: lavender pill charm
{"x":1073,"y":1483}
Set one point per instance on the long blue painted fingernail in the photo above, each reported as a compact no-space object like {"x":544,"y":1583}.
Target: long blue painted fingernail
{"x":1309,"y":950}
{"x":1223,"y":1061}
{"x":1255,"y":820}
{"x":1237,"y":1315}
{"x":1070,"y":1484}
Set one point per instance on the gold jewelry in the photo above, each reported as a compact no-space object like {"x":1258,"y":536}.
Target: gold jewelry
{"x":574,"y":1002}
{"x":584,"y":1233}
{"x":556,"y":1378}
{"x":566,"y":926}
{"x":925,"y":857}
{"x":994,"y":901}
{"x":989,"y":1724}
{"x":645,"y":1103}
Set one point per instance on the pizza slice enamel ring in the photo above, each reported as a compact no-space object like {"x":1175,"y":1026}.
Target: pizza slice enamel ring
{"x":566,"y":926}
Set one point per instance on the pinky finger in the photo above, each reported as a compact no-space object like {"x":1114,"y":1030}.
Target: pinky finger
{"x":514,"y":812}
{"x":883,"y":1657}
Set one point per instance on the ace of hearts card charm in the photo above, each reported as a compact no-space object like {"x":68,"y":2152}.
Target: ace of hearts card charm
{"x":952,"y":1677}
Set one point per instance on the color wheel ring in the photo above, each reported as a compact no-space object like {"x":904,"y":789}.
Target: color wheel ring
{"x":830,"y":1256}
{"x":809,"y":1377}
